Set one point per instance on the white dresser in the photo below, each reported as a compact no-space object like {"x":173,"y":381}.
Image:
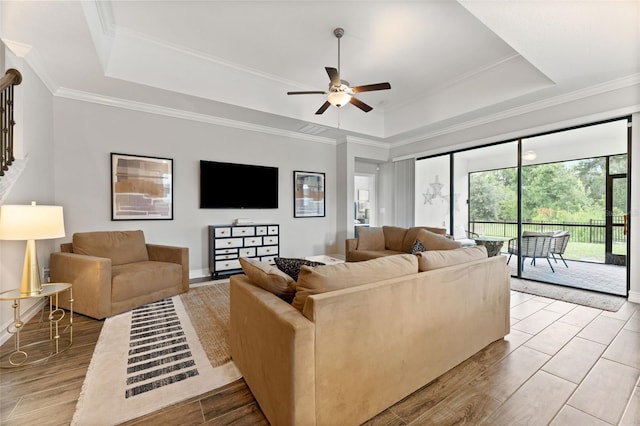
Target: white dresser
{"x":228,"y":243}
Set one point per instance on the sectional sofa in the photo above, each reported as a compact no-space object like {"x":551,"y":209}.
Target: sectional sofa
{"x":373,"y":242}
{"x":348,"y":340}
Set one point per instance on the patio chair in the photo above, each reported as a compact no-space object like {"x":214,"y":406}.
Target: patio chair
{"x":559,"y":242}
{"x":533,"y":246}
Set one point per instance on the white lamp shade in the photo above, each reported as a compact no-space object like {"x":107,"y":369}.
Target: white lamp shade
{"x":31,"y":222}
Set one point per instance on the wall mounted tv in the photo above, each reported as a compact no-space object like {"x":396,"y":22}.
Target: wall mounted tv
{"x":237,"y":186}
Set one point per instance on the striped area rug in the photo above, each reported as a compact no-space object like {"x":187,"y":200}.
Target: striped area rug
{"x":148,"y":359}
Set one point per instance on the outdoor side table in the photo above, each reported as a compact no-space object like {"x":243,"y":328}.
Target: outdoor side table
{"x":60,"y":334}
{"x":493,"y":244}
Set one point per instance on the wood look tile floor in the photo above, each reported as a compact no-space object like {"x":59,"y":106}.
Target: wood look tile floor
{"x":562,"y":364}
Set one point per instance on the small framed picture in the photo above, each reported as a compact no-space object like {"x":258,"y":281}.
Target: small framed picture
{"x":141,"y":187}
{"x":308,"y":194}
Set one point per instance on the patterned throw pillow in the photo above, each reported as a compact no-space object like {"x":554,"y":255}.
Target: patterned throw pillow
{"x":417,"y":247}
{"x":291,"y":266}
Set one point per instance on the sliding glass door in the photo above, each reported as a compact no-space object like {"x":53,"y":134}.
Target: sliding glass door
{"x":554,"y":204}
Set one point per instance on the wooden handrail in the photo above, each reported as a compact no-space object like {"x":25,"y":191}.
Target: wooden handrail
{"x":11,"y":78}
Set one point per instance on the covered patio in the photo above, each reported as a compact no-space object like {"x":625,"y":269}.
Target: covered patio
{"x":611,"y":279}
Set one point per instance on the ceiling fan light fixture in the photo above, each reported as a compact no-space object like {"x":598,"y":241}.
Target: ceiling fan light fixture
{"x":339,"y":99}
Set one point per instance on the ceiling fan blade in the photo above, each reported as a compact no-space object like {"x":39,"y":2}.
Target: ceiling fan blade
{"x":371,"y":87}
{"x":314,"y":92}
{"x":323,"y":108}
{"x":357,"y":102}
{"x":333,"y":76}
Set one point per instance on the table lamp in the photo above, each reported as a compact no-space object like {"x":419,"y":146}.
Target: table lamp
{"x":31,"y":223}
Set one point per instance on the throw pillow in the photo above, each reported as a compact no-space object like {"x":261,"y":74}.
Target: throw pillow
{"x":433,"y":241}
{"x":350,"y":274}
{"x":291,"y":266}
{"x":436,"y":259}
{"x":269,"y":278}
{"x":417,"y":247}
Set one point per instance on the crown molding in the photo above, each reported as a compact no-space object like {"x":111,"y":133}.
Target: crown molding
{"x":597,"y":89}
{"x":30,"y":55}
{"x":366,"y":142}
{"x":525,"y":133}
{"x":184,"y":115}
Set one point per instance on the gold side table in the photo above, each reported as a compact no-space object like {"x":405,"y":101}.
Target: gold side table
{"x":58,"y":341}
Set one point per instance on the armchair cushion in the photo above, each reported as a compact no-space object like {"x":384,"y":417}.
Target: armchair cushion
{"x":138,"y":279}
{"x":120,"y":246}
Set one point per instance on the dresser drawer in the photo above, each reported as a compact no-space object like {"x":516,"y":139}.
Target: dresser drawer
{"x":268,"y":251}
{"x":228,"y":242}
{"x":226,"y":251}
{"x":273,"y":230}
{"x":222,"y":232}
{"x":252,"y":241}
{"x":227,"y":265}
{"x":243,"y":231}
{"x":269,"y":259}
{"x":270,"y":240}
{"x":248,"y":252}
{"x":227,"y":256}
{"x":261,"y":230}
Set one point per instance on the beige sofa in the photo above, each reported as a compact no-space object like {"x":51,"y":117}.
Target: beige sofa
{"x":373,"y":242}
{"x":353,"y":352}
{"x":115,"y":271}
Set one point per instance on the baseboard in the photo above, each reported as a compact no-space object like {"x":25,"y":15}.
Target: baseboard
{"x":199,"y":273}
{"x":25,"y":317}
{"x":634,"y":296}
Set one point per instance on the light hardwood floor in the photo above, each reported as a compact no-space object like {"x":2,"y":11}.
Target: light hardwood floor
{"x":562,"y":364}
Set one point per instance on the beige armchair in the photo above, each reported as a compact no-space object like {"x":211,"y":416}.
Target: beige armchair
{"x":116,"y":271}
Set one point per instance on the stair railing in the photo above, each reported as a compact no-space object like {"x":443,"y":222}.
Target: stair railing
{"x":11,"y":78}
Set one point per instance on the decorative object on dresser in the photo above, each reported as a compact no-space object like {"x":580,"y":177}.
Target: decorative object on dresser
{"x":228,"y":243}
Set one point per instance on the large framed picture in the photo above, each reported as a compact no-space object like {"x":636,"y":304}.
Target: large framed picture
{"x":141,"y":187}
{"x":308,"y":194}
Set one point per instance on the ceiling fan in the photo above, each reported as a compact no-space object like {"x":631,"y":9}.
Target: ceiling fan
{"x":340,"y":93}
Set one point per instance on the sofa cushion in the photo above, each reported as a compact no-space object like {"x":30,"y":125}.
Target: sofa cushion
{"x":412,"y":233}
{"x":291,"y":266}
{"x":132,"y":280}
{"x":360,"y":255}
{"x":268,"y":277}
{"x":436,"y":259}
{"x":322,"y":279}
{"x":394,"y":238}
{"x":370,"y":238}
{"x":433,"y":241}
{"x":121,"y":247}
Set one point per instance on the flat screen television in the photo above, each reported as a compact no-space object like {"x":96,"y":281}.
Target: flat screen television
{"x":237,"y":186}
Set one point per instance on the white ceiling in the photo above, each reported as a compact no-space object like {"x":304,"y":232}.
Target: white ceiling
{"x":447,"y":61}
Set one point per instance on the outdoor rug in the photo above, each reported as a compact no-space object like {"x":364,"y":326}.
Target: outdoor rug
{"x":157,"y":355}
{"x":592,"y":299}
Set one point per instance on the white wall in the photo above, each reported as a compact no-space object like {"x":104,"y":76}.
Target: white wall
{"x":634,"y":212}
{"x":34,"y":132}
{"x":86,"y":134}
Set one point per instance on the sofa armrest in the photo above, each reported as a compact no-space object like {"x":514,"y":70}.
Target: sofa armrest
{"x":272,"y":344}
{"x":350,"y":245}
{"x":90,"y":277}
{"x":172,"y":254}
